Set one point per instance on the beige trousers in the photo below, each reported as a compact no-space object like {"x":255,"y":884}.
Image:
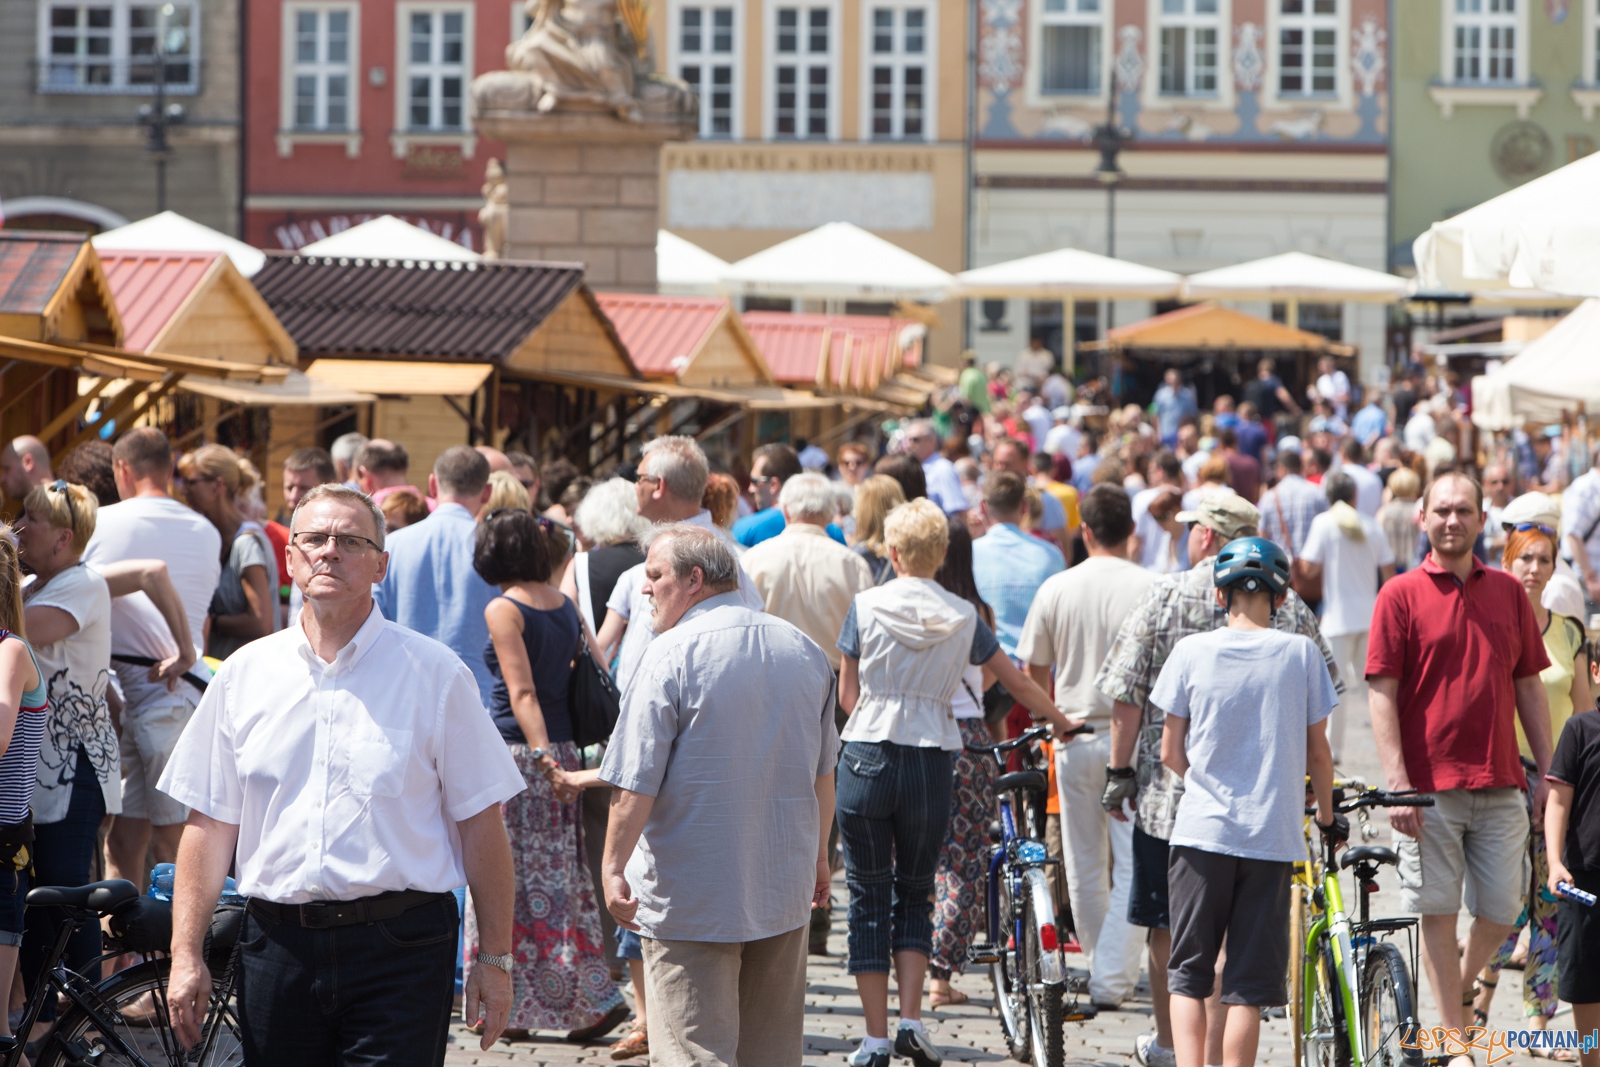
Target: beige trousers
{"x":727,"y":1004}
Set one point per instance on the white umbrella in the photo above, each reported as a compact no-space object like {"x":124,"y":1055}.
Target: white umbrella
{"x":387,"y":237}
{"x":1552,"y":375}
{"x":171,"y":232}
{"x":1292,"y":277}
{"x":1542,"y":235}
{"x":684,"y":268}
{"x":838,"y":261}
{"x":1068,"y":273}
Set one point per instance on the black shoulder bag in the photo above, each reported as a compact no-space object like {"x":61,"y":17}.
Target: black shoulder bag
{"x":593,"y":700}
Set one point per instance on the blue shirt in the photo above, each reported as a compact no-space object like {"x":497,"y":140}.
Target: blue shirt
{"x":1172,"y":406}
{"x":1369,"y":424}
{"x":764,"y":525}
{"x":1252,"y":438}
{"x":1010,"y":566}
{"x":432,"y":588}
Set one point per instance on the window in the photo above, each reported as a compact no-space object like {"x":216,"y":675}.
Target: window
{"x":1069,"y":46}
{"x":802,"y":72}
{"x":1324,"y":319}
{"x":706,"y":60}
{"x":321,"y":68}
{"x":436,"y":69}
{"x":1190,"y":31}
{"x":1483,"y":39}
{"x":1308,"y":47}
{"x":899,"y":67}
{"x":113,"y":46}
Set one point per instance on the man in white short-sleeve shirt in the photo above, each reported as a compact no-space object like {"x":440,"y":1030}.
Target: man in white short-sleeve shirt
{"x":149,"y":524}
{"x":348,"y":770}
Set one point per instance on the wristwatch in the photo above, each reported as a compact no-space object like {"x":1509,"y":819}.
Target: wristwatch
{"x":1120,"y":772}
{"x":539,"y":754}
{"x":503,"y":962}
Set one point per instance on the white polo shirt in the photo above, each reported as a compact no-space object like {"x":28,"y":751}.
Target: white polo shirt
{"x":346,"y":779}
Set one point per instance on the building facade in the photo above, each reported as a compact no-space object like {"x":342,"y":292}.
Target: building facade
{"x":1487,"y":95}
{"x":1258,"y":127}
{"x":357,"y":109}
{"x":74,"y":76}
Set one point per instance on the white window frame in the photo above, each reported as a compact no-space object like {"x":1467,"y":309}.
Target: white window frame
{"x":1339,"y":22}
{"x":404,"y":134}
{"x":291,"y":65}
{"x":772,"y":59}
{"x":928,"y":60}
{"x":121,"y":58}
{"x":677,"y":59}
{"x":1223,"y":98}
{"x":1447,"y":50}
{"x":1038,"y":18}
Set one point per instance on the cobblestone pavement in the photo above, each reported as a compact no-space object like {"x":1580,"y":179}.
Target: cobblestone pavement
{"x":970,"y":1033}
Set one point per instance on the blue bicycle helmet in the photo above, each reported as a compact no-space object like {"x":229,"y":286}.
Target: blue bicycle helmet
{"x":1253,"y":564}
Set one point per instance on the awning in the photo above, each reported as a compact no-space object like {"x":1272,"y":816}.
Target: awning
{"x":1295,"y":276}
{"x":296,"y":388}
{"x":400,"y":377}
{"x":1209,"y":328}
{"x":103,"y":366}
{"x":208,"y":368}
{"x":1068,"y":272}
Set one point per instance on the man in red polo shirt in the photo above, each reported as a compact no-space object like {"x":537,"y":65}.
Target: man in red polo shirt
{"x":1454,"y":654}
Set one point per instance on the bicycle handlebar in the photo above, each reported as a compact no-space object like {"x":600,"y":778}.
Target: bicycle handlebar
{"x":1380,"y":798}
{"x":1033,"y":733}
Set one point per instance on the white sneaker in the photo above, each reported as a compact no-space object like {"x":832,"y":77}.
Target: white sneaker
{"x":1147,"y":1052}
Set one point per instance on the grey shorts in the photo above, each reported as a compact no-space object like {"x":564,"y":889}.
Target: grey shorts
{"x":1474,"y":840}
{"x":1245,"y":901}
{"x":149,"y":735}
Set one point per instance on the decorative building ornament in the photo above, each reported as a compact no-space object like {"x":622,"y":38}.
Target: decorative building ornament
{"x":1366,"y":55}
{"x":1000,"y":53}
{"x":1248,"y":65}
{"x":1129,"y":65}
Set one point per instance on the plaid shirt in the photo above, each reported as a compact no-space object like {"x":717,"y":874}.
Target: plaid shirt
{"x":1177,"y":606}
{"x":1299,"y":502}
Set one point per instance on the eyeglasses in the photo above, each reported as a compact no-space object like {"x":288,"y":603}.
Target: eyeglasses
{"x":309,"y":541}
{"x":1523,"y":527}
{"x":60,"y":486}
{"x":852,"y":463}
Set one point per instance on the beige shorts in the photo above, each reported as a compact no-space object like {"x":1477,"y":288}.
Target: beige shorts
{"x":1472,"y":838}
{"x":148,"y":738}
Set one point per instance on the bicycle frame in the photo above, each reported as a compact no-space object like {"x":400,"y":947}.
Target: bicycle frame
{"x":1336,"y":924}
{"x":1012,"y":859}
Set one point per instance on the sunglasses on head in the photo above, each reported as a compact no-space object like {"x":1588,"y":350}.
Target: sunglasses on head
{"x":1523,"y":527}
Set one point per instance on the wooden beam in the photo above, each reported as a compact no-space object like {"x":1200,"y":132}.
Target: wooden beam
{"x":472,"y":422}
{"x":73,"y":410}
{"x":132,"y":400}
{"x":209,"y":425}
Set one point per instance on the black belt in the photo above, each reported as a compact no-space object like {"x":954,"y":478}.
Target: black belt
{"x":146,"y":661}
{"x":323,"y":914}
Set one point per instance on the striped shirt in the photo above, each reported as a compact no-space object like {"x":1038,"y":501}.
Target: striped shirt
{"x":19,"y":764}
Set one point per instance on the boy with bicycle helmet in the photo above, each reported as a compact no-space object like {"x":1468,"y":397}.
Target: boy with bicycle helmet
{"x":1246,"y":720}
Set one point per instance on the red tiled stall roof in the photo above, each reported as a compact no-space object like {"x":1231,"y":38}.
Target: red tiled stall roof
{"x":150,"y":287}
{"x":662,"y":332}
{"x":33,"y":264}
{"x":421,"y":309}
{"x":862,"y":349}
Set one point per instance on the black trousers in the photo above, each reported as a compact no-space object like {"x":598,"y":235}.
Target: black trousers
{"x":351,"y":996}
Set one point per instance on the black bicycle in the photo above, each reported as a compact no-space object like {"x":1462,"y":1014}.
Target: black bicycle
{"x":1031,"y":991}
{"x":124,"y":1020}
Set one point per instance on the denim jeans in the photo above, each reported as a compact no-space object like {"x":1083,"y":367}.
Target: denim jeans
{"x":350,"y":996}
{"x":894,"y":807}
{"x":62,"y":854}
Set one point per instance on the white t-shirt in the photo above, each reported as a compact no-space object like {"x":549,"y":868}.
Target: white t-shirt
{"x":76,"y":671}
{"x":963,"y":701}
{"x":1073,"y":621}
{"x":1349,"y":572}
{"x":156,"y":528}
{"x":1039,"y":420}
{"x":1369,"y":488}
{"x":1335,"y":389}
{"x":1062,"y":440}
{"x":1155,"y":543}
{"x":1249,"y":696}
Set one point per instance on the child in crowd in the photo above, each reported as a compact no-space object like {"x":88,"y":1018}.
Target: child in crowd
{"x":1246,"y":721}
{"x":1572,"y":838}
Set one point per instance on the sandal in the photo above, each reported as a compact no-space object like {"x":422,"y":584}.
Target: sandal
{"x":939,"y":999}
{"x":1562,"y":1055}
{"x":637,"y":1043}
{"x":1480,"y":1016}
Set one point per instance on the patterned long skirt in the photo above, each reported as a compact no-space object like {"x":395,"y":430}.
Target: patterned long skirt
{"x":1539,"y":916}
{"x":963,"y":872}
{"x":560,"y":980}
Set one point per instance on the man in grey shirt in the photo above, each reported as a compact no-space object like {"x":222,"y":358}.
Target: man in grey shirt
{"x":723,"y":755}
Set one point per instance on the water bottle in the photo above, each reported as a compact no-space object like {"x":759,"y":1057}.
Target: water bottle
{"x":1572,"y":892}
{"x":161,"y":877}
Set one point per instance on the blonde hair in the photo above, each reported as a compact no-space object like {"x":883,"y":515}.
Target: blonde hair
{"x":1215,"y":469}
{"x":218,"y":463}
{"x":506,"y":492}
{"x":49,"y":504}
{"x":10,"y":583}
{"x":875,"y":498}
{"x":919,"y":533}
{"x":1404,"y":484}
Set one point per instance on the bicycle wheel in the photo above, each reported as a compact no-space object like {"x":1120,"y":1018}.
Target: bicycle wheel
{"x":1299,"y":916}
{"x":1010,"y":983}
{"x":1388,"y":1012}
{"x":134,"y":1001}
{"x":1326,"y":1042}
{"x":1045,"y":1023}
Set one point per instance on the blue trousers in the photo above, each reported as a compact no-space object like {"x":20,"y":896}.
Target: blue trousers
{"x":893,"y":809}
{"x":62,"y":854}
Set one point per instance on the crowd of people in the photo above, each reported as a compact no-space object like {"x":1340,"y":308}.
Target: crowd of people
{"x":378,"y":711}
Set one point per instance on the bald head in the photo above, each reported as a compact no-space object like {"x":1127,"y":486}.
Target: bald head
{"x":497,"y":459}
{"x":24,"y":463}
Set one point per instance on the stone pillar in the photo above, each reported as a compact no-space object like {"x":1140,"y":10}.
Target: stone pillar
{"x":584,"y":186}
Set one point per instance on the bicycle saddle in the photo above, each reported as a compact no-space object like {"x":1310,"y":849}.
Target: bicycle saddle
{"x":96,"y":896}
{"x":1020,"y":780}
{"x":1368,"y":854}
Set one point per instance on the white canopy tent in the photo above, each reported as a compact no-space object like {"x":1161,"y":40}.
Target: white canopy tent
{"x":387,"y":237}
{"x":684,"y":268}
{"x":1068,"y":274}
{"x":1294,"y":277}
{"x":1553,"y":374}
{"x":837,"y":261}
{"x":172,"y":232}
{"x":1544,"y":235}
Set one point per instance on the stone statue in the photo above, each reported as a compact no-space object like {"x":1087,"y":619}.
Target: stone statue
{"x":495,"y":213}
{"x":579,"y":55}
